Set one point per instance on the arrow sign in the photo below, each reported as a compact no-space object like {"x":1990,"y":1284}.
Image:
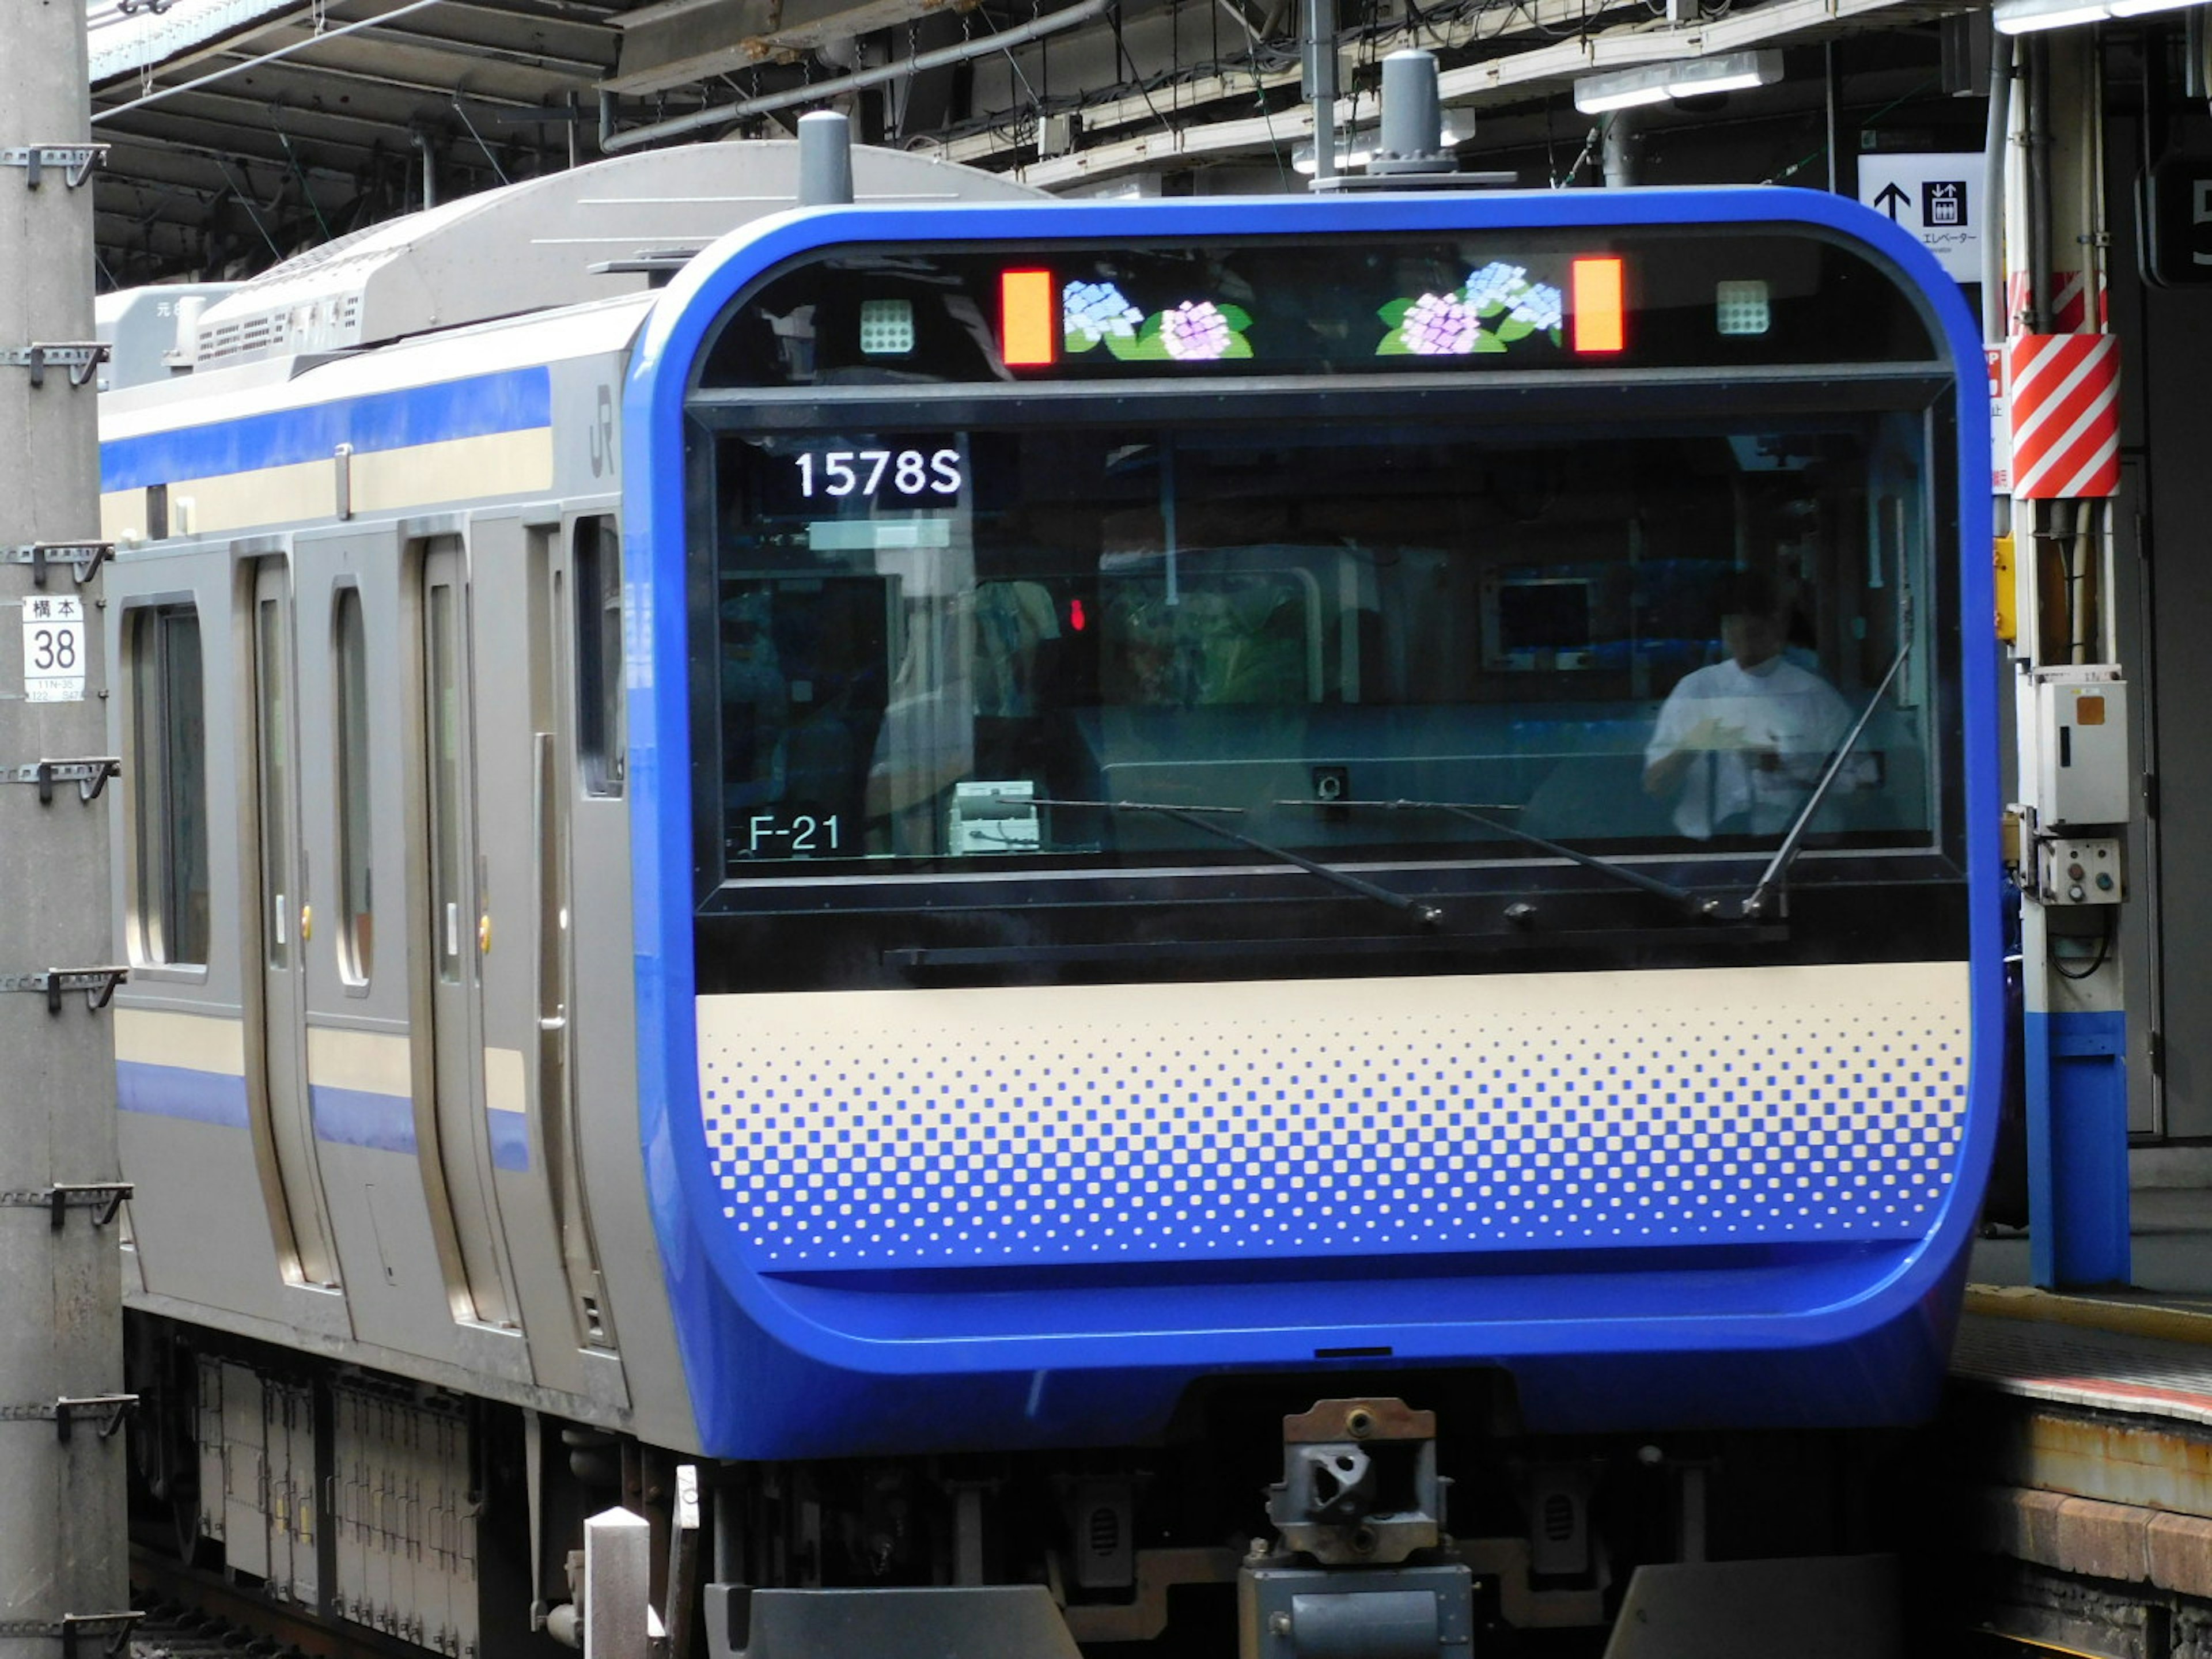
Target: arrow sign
{"x":1891,"y":200}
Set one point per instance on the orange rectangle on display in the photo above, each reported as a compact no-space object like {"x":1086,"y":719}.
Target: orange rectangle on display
{"x":1029,"y":330}
{"x":1599,"y":324}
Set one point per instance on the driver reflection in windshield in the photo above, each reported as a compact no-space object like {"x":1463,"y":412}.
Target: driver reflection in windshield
{"x":1741,"y":743}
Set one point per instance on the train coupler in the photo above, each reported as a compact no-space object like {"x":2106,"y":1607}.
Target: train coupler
{"x":1363,"y":1569}
{"x":1411,"y":1611}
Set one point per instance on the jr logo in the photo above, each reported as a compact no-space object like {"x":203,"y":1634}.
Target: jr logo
{"x":603,"y":434}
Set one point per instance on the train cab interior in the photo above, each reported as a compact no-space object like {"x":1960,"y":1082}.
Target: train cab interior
{"x":1340,"y":638}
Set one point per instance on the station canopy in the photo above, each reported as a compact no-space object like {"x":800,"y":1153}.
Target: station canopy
{"x":243,"y":132}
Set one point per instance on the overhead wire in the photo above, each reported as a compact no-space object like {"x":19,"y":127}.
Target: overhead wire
{"x":260,"y":59}
{"x":1122,"y":48}
{"x":1263,"y":56}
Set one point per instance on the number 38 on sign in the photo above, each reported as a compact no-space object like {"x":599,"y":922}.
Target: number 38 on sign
{"x":53,"y":649}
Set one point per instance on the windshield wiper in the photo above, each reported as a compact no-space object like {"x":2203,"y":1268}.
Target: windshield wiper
{"x":1784,"y":855}
{"x":1681,"y":896}
{"x":1202,"y":818}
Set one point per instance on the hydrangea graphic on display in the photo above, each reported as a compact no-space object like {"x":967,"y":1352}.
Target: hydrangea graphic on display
{"x":1495,"y":284}
{"x":1538,"y":305}
{"x":1439,"y":325}
{"x":1091,"y":312}
{"x":1195,"y":332}
{"x":1496,"y":307}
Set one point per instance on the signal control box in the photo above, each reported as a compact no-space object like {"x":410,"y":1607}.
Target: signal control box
{"x":2081,"y":870}
{"x":2081,"y":776}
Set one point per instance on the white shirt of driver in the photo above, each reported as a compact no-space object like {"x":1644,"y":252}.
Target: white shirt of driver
{"x":1731,"y":717}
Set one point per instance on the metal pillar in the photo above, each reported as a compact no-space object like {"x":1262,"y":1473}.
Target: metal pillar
{"x":62,"y":1564}
{"x":2075,"y":1025}
{"x":1619,"y":149}
{"x":1319,"y":45}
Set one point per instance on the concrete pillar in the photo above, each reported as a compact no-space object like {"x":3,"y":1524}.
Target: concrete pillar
{"x":62,"y":1540}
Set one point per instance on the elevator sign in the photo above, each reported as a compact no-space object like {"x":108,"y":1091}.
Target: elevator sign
{"x":1937,"y":197}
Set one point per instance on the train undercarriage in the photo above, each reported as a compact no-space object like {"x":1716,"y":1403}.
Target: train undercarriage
{"x":1404,"y":1515}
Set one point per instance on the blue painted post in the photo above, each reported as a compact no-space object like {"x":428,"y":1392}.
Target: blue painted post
{"x":2077,"y":1149}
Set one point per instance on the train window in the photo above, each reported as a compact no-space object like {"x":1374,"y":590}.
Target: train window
{"x":356,"y":928}
{"x":1100,"y":648}
{"x":168,"y":766}
{"x":600,"y":741}
{"x":449,"y":884}
{"x":273,"y":719}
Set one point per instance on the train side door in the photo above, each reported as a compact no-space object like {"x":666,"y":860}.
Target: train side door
{"x":455,"y":918}
{"x":576,"y":688}
{"x":282,"y":1102}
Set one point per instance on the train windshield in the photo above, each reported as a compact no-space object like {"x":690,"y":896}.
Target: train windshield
{"x":1102,"y":646}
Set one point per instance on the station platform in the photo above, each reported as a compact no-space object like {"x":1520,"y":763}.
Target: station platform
{"x":2077,"y":1442}
{"x":2170,"y":1234}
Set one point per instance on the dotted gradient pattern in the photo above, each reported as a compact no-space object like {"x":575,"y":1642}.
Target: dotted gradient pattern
{"x":1134,"y":1123}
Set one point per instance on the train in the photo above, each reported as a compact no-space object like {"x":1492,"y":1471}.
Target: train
{"x":1036,"y":916}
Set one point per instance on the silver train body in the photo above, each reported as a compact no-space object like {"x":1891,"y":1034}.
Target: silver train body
{"x":338,"y":1154}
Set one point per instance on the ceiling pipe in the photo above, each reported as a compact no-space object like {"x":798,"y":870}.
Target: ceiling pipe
{"x":1995,"y":145}
{"x":612,"y":142}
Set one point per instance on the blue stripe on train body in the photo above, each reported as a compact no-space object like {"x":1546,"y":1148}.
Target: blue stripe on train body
{"x":362,"y":1117}
{"x":513,"y":400}
{"x":1855,"y":1336}
{"x":343,"y":1117}
{"x":217,"y":1097}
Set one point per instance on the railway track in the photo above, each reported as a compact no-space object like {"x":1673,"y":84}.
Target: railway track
{"x":192,"y":1614}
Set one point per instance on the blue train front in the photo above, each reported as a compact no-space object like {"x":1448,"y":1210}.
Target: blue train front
{"x":1242,"y":802}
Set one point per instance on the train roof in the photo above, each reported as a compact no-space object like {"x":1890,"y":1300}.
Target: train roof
{"x":302,"y":382}
{"x":590,"y":233}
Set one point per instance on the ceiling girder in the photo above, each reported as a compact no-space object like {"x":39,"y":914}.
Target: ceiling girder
{"x":318,"y":123}
{"x":1514,"y":72}
{"x":290,"y":84}
{"x":182,"y":167}
{"x":545,"y":63}
{"x":684,"y":41}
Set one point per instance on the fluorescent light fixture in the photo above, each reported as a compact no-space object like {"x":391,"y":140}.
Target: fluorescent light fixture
{"x":1354,"y":150}
{"x":1352,"y":155}
{"x":2025,"y":16}
{"x":1683,"y":77}
{"x":1622,"y":89}
{"x":1735,"y":72}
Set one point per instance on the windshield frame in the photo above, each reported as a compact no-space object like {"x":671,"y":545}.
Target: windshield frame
{"x":1538,"y":404}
